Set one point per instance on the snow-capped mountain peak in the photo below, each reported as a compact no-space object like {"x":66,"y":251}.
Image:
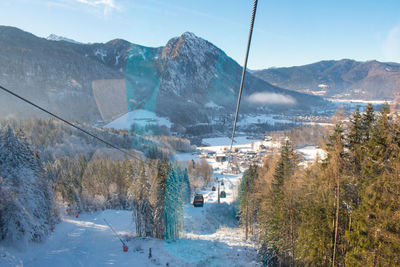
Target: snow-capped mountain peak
{"x":190,"y":35}
{"x":54,"y":37}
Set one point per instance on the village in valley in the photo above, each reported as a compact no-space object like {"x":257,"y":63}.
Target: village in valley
{"x":246,"y":151}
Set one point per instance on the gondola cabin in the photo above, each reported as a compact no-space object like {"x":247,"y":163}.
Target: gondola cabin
{"x":198,"y":200}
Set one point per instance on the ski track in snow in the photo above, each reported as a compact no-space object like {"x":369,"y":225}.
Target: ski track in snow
{"x":211,"y":238}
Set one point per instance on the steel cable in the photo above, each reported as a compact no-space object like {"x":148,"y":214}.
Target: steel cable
{"x":69,"y":123}
{"x":253,"y":15}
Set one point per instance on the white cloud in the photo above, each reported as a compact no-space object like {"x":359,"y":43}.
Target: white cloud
{"x":107,"y":5}
{"x":391,"y":45}
{"x":271,"y":98}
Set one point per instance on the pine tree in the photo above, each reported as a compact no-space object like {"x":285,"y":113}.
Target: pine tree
{"x":157,"y":197}
{"x":368,"y":120}
{"x":335,"y":172}
{"x":355,"y":141}
{"x":186,"y":186}
{"x":315,"y":232}
{"x":141,"y":204}
{"x":173,"y":205}
{"x":274,"y":217}
{"x":26,"y":201}
{"x":375,"y":237}
{"x":327,"y":207}
{"x":247,"y":202}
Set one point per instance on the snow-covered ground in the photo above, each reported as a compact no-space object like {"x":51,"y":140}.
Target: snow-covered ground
{"x":83,"y":241}
{"x":270,"y":119}
{"x":186,"y":157}
{"x":310,"y":153}
{"x":88,"y":241}
{"x":139,"y":117}
{"x":220,"y":144}
{"x":216,"y":225}
{"x":359,"y":101}
{"x":226,"y":141}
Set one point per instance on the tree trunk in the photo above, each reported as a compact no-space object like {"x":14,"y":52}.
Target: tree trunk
{"x":336,"y":222}
{"x":247,"y":217}
{"x":247,"y":207}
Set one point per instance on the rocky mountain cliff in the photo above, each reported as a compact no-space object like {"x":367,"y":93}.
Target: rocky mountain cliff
{"x":186,"y":81}
{"x":343,"y":79}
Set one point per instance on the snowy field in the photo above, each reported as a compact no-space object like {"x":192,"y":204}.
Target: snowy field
{"x":270,"y":119}
{"x":226,"y":141}
{"x":186,"y":157}
{"x":359,"y":101}
{"x":310,"y":153}
{"x":138,"y":117}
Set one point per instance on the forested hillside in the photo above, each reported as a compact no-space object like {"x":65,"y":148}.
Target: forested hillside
{"x":53,"y":139}
{"x":343,"y":210}
{"x":47,"y":170}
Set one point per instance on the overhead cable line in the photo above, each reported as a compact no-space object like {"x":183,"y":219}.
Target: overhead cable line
{"x":253,"y":15}
{"x":70,"y":124}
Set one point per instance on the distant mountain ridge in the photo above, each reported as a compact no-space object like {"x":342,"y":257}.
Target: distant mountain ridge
{"x":343,"y":79}
{"x":177,"y":81}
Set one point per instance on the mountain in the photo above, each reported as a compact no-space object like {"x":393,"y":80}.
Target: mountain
{"x":55,"y":74}
{"x":343,"y":79}
{"x":189,"y":81}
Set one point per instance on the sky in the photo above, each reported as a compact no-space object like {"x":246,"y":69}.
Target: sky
{"x":286,"y":32}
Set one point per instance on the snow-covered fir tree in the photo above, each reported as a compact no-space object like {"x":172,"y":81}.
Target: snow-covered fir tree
{"x":142,"y":209}
{"x":185,"y":186}
{"x":26,"y":200}
{"x":173,"y":204}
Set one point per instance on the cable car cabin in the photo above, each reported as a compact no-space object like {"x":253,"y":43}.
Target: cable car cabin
{"x":220,"y":157}
{"x":198,"y":200}
{"x":223,"y":194}
{"x":222,"y":183}
{"x":213,"y":188}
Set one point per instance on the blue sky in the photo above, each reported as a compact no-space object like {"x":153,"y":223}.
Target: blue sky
{"x":287,"y":32}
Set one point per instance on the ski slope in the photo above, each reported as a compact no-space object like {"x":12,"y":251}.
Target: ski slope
{"x":88,"y":241}
{"x":139,"y":117}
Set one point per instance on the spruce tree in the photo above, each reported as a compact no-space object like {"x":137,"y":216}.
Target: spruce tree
{"x":274,"y":217}
{"x":368,"y":120}
{"x":141,"y":204}
{"x":247,"y":198}
{"x":157,"y":197}
{"x":186,"y":186}
{"x":173,"y":205}
{"x":355,"y":141}
{"x":375,"y":237}
{"x":26,"y":201}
